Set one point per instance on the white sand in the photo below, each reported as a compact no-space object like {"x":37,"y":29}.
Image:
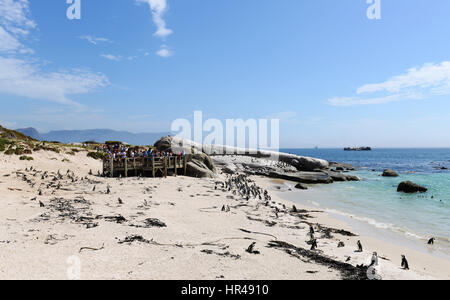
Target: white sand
{"x":191,"y":208}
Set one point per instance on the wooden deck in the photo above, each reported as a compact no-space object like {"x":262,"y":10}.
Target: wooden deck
{"x":145,"y":166}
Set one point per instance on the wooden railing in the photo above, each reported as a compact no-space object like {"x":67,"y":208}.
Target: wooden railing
{"x":145,"y":166}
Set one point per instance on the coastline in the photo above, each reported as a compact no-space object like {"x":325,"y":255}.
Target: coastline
{"x":199,"y":241}
{"x":429,"y":265}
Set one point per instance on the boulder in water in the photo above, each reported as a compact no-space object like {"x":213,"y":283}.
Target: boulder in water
{"x":301,"y":186}
{"x":389,"y":173}
{"x":410,"y":188}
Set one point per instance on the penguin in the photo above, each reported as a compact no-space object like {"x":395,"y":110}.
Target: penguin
{"x":120,"y":201}
{"x":251,"y":248}
{"x":405,"y":264}
{"x":313,"y":244}
{"x":374,"y":261}
{"x":431,"y":241}
{"x":41,"y":204}
{"x":360,"y":248}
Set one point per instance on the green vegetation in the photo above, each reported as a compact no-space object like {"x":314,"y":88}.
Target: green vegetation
{"x":3,"y":143}
{"x":113,"y":143}
{"x":97,"y":155}
{"x":9,"y":152}
{"x":46,"y":148}
{"x":24,"y":157}
{"x":19,"y":151}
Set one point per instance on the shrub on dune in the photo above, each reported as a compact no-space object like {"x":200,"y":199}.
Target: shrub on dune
{"x":97,"y":155}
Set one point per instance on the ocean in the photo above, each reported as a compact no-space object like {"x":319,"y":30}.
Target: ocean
{"x":375,"y":206}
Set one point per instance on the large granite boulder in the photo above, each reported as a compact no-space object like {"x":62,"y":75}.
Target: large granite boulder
{"x":410,"y":187}
{"x":301,"y":163}
{"x":389,"y":173}
{"x":198,"y":169}
{"x":200,"y":164}
{"x":338,"y":176}
{"x":164,"y":144}
{"x":303,"y":177}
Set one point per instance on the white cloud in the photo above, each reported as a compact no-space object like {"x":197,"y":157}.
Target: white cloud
{"x":284,"y":116}
{"x":22,"y":78}
{"x":8,"y":43}
{"x":94,"y":40}
{"x":164,"y":51}
{"x":417,"y":83}
{"x":14,"y":16}
{"x":14,"y":25}
{"x":158,"y":8}
{"x":111,"y":57}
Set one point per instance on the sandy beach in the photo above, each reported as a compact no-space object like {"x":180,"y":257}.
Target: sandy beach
{"x":170,"y":228}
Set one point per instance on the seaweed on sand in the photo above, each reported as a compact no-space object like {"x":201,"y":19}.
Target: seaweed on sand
{"x":150,"y":222}
{"x":348,"y":271}
{"x":225,"y":254}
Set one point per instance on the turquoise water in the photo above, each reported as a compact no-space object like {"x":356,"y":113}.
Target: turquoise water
{"x":375,"y":200}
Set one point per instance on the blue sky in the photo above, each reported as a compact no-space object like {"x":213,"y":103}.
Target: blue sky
{"x":334,"y":77}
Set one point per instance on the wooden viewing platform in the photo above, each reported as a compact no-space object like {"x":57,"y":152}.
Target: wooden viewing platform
{"x":145,"y":166}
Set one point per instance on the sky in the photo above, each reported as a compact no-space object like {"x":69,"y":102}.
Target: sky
{"x":331,"y":75}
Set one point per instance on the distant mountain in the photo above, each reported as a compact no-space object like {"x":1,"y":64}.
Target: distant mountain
{"x":98,"y":135}
{"x":13,"y":135}
{"x":31,"y":132}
